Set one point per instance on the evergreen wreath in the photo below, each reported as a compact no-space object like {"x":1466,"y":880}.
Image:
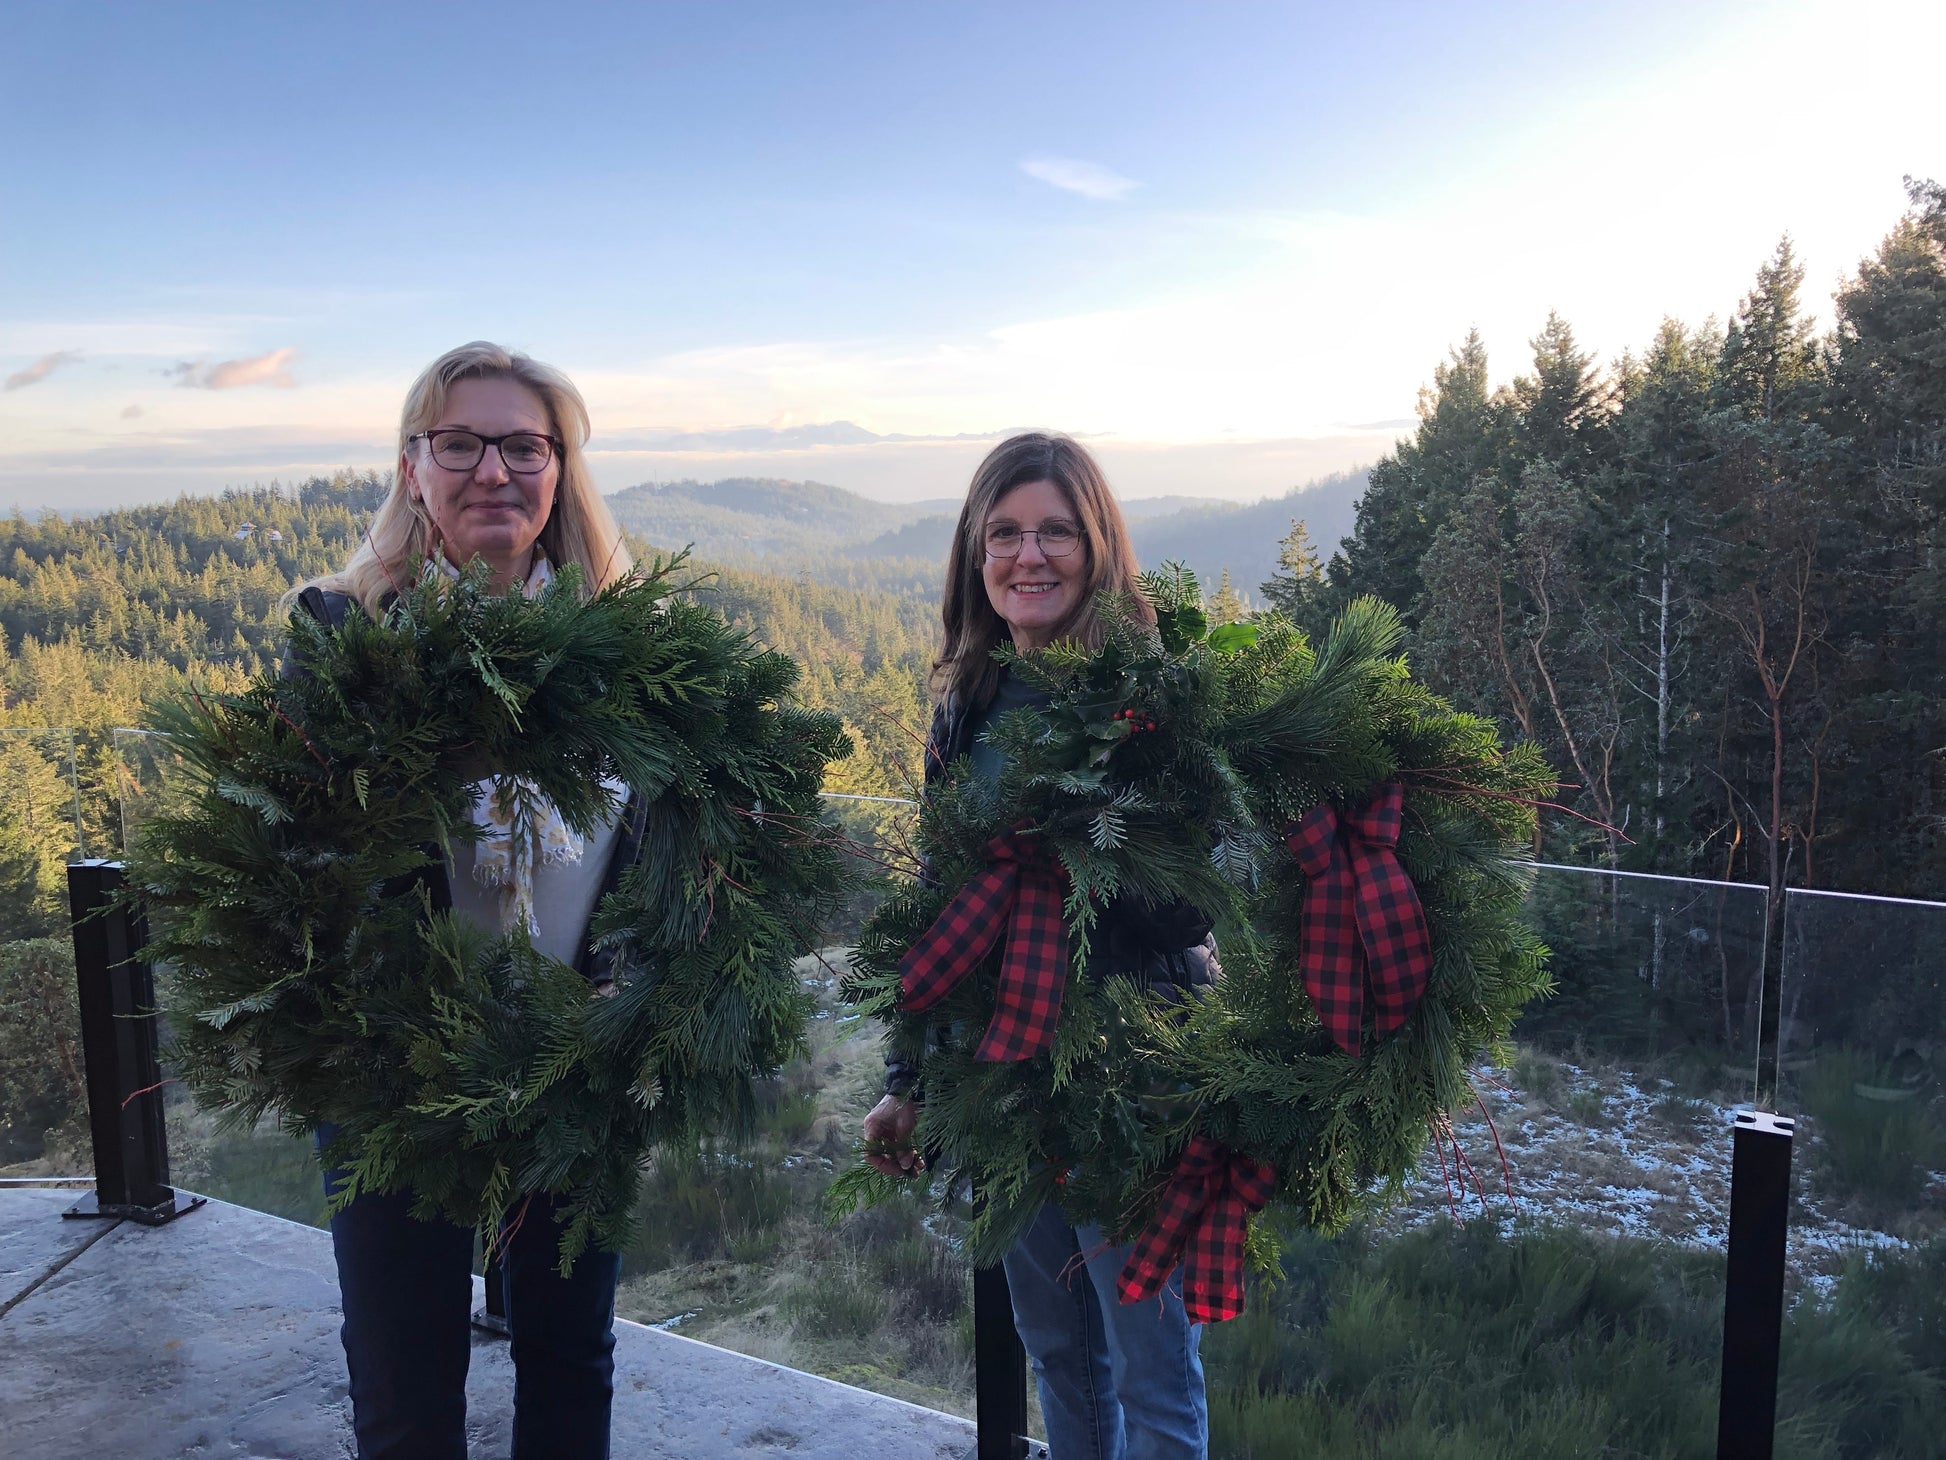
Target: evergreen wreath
{"x":310,"y":976}
{"x":1183,"y":762}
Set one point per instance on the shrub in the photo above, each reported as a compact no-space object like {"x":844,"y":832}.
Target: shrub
{"x":692,"y":1205}
{"x":1876,"y":1151}
{"x":925,"y":1278}
{"x":841,"y":1299}
{"x":787,"y":1106}
{"x":886,"y":1225}
{"x":1537,"y":1076}
{"x":1453,"y":1342}
{"x":753,"y":1246}
{"x":1587,"y":1107}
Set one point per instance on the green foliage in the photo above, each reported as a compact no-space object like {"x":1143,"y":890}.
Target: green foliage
{"x":1165,"y":766}
{"x":843,"y":1299}
{"x":43,"y":1094}
{"x":101,"y":615}
{"x":1705,"y":579}
{"x":313,"y":979}
{"x":700,"y":1204}
{"x":38,"y":831}
{"x":1453,"y":1341}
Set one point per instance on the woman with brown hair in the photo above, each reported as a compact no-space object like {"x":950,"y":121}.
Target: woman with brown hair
{"x":1040,"y":543}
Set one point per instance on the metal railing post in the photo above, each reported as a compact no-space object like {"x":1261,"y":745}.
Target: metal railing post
{"x":1753,"y":1296}
{"x":999,"y":1370}
{"x":491,"y":1316}
{"x":119,"y":1054}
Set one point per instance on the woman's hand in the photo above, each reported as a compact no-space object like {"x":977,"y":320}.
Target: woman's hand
{"x":888,"y":1137}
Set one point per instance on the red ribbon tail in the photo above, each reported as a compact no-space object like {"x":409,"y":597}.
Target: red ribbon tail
{"x":1396,"y":941}
{"x":1033,"y":975}
{"x":1212,"y":1286}
{"x":1212,"y":1275}
{"x":1333,"y":963}
{"x":1160,"y":1247}
{"x":1155,"y":1255}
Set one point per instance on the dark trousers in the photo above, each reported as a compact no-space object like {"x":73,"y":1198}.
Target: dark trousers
{"x":407,"y":1291}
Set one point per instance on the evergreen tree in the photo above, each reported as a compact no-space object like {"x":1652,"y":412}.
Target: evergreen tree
{"x":1299,"y":589}
{"x":1226,"y":605}
{"x":1465,"y":431}
{"x":1558,"y":408}
{"x":1888,"y":398}
{"x":1769,"y":356}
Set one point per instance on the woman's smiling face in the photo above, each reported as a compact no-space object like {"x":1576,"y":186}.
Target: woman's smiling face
{"x":488,"y":512}
{"x":1034,"y":592}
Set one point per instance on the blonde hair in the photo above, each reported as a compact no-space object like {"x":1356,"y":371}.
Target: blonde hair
{"x":965,"y":666}
{"x":580,"y":530}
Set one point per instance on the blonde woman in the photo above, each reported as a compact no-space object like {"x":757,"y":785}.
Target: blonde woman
{"x":490,"y":470}
{"x":1040,"y":540}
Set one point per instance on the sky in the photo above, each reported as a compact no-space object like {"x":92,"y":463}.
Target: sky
{"x":1226,"y":243}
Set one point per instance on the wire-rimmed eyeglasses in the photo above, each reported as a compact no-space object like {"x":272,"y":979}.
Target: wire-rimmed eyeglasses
{"x":1057,"y":539}
{"x":525,"y":452}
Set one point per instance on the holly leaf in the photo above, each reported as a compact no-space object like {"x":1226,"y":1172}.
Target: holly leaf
{"x":1181,"y":625}
{"x":1230,"y":638}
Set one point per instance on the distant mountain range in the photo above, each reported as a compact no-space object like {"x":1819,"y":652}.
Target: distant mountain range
{"x":835,"y":535}
{"x":744,"y":519}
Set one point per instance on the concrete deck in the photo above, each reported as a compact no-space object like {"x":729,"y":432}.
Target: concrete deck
{"x":217,"y":1336}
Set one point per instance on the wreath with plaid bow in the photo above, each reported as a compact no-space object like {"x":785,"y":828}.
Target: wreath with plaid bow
{"x":1360,"y":849}
{"x":310,"y":977}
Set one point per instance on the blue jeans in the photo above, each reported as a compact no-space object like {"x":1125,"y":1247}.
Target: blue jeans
{"x":1116,"y":1382}
{"x":407,"y":1292}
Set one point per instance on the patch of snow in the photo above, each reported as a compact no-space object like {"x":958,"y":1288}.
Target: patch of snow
{"x":1647,"y":1165}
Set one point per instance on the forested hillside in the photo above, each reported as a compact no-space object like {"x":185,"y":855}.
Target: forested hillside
{"x":1707,"y":577}
{"x":99,"y":614}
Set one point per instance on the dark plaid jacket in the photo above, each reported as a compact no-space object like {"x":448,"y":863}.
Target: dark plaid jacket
{"x":1165,"y":947}
{"x":597,"y":964}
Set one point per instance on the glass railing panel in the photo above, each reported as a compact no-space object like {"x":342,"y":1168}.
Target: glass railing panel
{"x":1862,"y":1067}
{"x":43,"y":1094}
{"x":1656,"y":973}
{"x":734,"y":1249}
{"x":1552,"y":1282}
{"x":259,"y":1167}
{"x":144,"y":766}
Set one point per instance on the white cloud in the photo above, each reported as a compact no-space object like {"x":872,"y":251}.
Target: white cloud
{"x":1089,"y":179}
{"x":42,"y":368}
{"x":271,"y":368}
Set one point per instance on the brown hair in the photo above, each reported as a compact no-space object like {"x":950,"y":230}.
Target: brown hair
{"x":965,"y":666}
{"x":580,"y":530}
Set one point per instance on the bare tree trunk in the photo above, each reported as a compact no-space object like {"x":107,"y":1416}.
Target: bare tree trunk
{"x":1662,"y":688}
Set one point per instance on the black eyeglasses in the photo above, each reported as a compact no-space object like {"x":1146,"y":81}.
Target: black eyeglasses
{"x":525,"y":452}
{"x":1057,"y":538}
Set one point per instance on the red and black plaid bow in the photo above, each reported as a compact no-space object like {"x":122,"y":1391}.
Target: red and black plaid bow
{"x":1200,"y":1224}
{"x":1361,"y":912}
{"x":1018,"y":894}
